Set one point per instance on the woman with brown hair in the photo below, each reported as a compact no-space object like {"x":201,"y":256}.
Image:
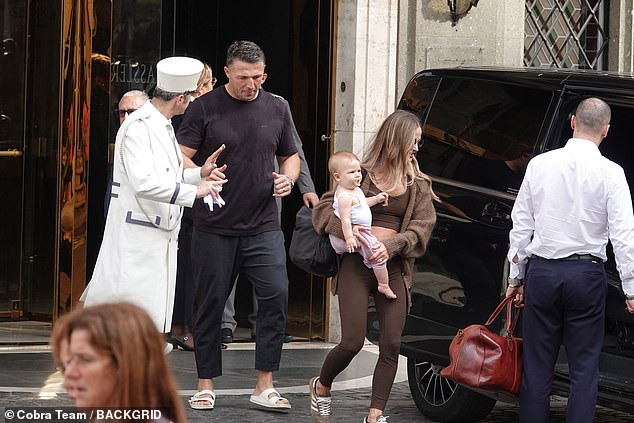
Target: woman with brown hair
{"x":403,"y":228}
{"x":111,"y":356}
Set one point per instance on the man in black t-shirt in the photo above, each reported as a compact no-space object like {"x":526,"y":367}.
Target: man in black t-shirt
{"x":243,"y":236}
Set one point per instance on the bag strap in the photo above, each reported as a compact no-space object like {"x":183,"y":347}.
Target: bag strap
{"x":511,"y":323}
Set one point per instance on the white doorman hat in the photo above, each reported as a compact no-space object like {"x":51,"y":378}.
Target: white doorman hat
{"x":178,"y":74}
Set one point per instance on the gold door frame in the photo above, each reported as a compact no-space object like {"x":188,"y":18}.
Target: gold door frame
{"x":78,"y":30}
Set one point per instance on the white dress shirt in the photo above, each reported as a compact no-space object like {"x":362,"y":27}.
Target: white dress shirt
{"x":571,"y":201}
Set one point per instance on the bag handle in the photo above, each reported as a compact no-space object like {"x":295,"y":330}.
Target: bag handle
{"x":510,"y":323}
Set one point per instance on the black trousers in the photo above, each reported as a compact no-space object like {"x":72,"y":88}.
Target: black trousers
{"x":185,"y":286}
{"x":217,"y":260}
{"x":564,"y":304}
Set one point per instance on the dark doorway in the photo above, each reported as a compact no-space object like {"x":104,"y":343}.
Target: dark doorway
{"x":296,"y":36}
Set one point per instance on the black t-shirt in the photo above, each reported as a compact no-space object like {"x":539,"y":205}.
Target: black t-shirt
{"x":254,"y":132}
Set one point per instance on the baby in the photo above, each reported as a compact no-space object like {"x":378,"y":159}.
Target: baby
{"x":353,"y":208}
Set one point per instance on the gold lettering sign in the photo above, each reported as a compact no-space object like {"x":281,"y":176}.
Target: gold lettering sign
{"x":139,"y":73}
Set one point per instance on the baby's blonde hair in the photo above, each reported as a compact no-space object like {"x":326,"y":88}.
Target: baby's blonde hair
{"x":338,"y":159}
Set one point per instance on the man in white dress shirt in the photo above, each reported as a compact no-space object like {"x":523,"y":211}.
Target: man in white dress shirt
{"x":572,"y":200}
{"x":137,"y":259}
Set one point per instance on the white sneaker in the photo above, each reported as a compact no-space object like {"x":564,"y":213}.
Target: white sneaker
{"x":320,"y":406}
{"x":167,"y":348}
{"x":381,"y":419}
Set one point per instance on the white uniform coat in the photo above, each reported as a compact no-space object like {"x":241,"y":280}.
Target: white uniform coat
{"x":137,"y":259}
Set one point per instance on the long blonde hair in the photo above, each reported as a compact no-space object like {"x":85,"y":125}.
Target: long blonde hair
{"x":127,"y":334}
{"x":205,"y":78}
{"x":388,"y":153}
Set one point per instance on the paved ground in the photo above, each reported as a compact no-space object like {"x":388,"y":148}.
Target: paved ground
{"x":29,"y":379}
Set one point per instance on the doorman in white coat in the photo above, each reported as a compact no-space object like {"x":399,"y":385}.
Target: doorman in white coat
{"x":137,"y":259}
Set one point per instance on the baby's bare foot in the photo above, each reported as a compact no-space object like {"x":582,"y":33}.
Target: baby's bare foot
{"x":387,"y":291}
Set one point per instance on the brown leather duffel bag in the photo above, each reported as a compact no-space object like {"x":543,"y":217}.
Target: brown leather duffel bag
{"x":486,"y":360}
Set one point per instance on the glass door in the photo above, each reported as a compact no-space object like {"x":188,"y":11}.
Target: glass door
{"x":310,"y":98}
{"x":13,"y":51}
{"x":29,"y":125}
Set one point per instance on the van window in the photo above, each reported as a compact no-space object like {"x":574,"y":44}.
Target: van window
{"x":618,"y":145}
{"x":482,"y":132}
{"x":419,"y":94}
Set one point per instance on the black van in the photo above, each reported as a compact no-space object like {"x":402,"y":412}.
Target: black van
{"x":481,"y":126}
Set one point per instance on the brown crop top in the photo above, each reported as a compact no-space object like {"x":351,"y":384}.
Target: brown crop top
{"x":390,"y":216}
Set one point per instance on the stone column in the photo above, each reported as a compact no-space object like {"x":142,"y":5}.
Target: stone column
{"x":365,"y":83}
{"x":621,"y":36}
{"x":365,"y":70}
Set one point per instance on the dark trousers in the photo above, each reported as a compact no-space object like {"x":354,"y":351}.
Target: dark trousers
{"x":185,"y":286}
{"x":217,"y":260}
{"x":355,"y":284}
{"x":564,"y":304}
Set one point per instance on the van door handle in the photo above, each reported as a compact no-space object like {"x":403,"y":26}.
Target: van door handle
{"x":496,"y":212}
{"x":12,"y":152}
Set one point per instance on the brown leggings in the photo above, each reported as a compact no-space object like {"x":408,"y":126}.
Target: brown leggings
{"x":355,"y":284}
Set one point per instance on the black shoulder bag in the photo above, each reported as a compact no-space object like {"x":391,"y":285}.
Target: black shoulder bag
{"x":310,"y":251}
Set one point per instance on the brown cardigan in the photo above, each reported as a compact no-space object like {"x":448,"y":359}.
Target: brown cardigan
{"x":409,"y":243}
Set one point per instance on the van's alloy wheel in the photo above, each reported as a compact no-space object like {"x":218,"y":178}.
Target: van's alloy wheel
{"x":441,"y":399}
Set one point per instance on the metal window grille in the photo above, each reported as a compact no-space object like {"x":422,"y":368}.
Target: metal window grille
{"x":566,"y":34}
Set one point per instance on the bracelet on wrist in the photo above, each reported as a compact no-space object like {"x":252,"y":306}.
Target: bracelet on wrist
{"x":290,"y":180}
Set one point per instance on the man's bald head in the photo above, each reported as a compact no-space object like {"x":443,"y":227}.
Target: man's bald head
{"x":592,"y":118}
